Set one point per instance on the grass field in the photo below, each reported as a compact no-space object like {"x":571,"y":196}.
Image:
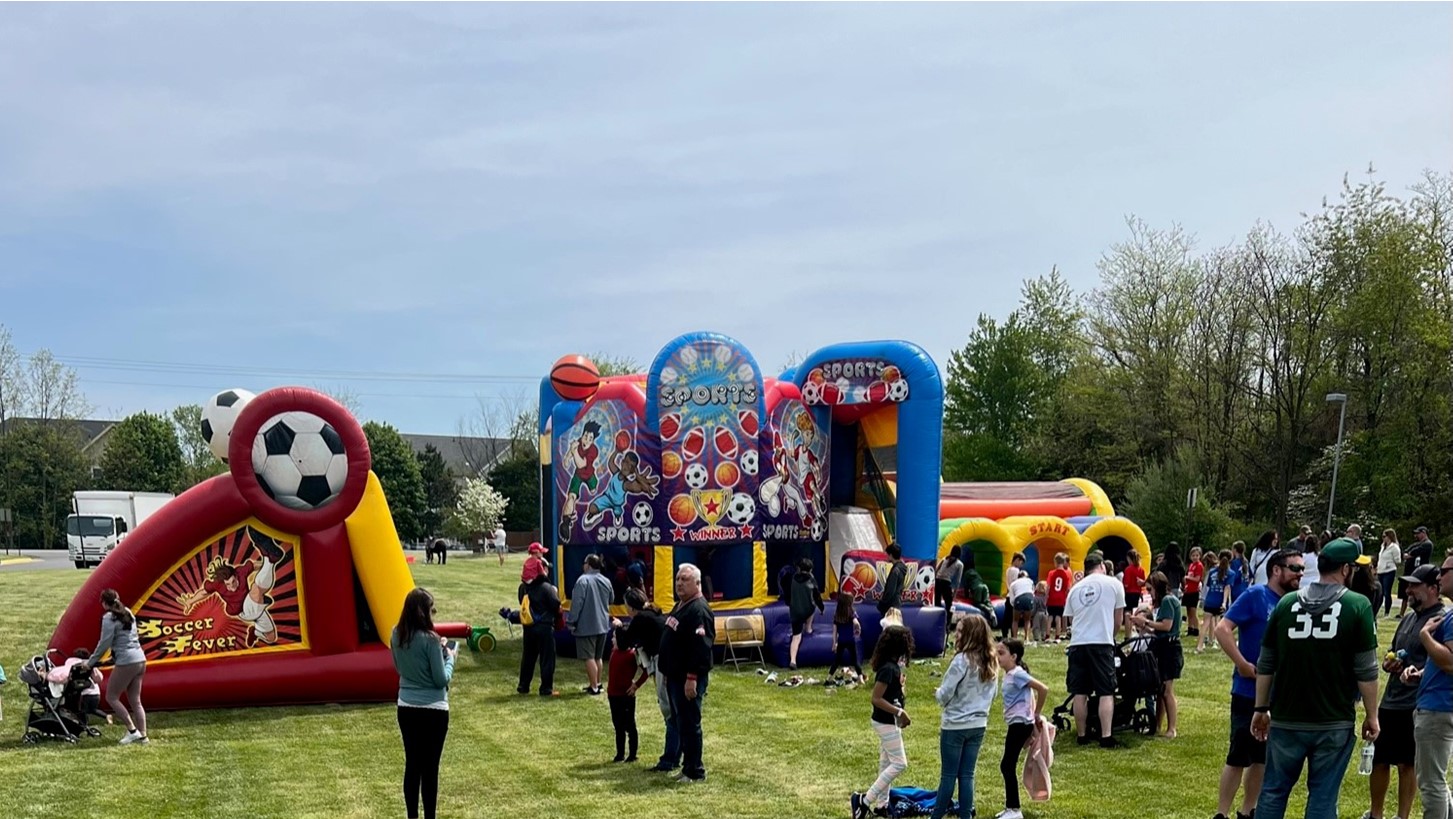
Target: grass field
{"x":771,"y":751}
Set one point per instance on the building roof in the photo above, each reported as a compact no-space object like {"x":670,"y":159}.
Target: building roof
{"x":465,"y":455}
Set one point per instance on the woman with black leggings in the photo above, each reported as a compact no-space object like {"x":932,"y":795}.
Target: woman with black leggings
{"x":425,"y":662}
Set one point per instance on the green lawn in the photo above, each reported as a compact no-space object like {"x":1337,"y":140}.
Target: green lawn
{"x":771,"y":752}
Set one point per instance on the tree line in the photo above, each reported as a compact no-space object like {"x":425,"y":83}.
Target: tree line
{"x":1211,"y":369}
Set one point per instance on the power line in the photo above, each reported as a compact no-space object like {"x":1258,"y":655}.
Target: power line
{"x":214,"y":387}
{"x":145,"y":366}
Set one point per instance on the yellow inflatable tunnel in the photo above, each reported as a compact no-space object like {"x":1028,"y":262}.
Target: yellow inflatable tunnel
{"x":991,"y":545}
{"x":1115,"y":537}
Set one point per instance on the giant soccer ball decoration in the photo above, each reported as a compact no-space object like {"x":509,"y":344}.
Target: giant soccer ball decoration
{"x":299,"y":460}
{"x":898,"y":391}
{"x":219,"y":414}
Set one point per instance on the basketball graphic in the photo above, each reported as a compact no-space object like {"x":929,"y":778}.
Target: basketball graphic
{"x":574,"y":378}
{"x":682,"y":510}
{"x":670,"y":464}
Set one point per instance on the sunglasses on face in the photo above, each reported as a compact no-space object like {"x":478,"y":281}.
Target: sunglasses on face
{"x":1442,"y":570}
{"x":1292,"y":568}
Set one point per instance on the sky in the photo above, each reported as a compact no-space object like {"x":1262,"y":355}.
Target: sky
{"x":426,"y":205}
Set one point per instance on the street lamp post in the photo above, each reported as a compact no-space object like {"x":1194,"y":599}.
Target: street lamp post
{"x":1339,"y":398}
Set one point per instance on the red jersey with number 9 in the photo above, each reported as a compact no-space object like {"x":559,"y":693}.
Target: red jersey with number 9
{"x":1059,"y":581}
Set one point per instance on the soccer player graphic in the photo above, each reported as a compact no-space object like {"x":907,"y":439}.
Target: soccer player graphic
{"x":243,"y":588}
{"x":580,"y":457}
{"x":627,"y":476}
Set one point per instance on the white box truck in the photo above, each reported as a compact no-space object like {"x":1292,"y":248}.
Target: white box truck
{"x":101,"y":520}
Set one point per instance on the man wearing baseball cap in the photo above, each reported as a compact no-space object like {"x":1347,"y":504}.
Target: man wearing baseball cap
{"x":1404,"y":664}
{"x":1420,"y":553}
{"x":1318,"y":655}
{"x":1433,"y":719}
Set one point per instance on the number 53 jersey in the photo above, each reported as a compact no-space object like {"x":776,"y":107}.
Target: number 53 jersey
{"x":1315,"y":641}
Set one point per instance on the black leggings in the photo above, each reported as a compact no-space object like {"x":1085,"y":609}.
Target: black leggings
{"x":623,"y":717}
{"x":846,"y":657}
{"x":1014,"y":741}
{"x":423,"y":730}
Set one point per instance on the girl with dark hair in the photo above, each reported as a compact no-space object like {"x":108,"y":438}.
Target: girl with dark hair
{"x":425,"y":662}
{"x":118,"y":635}
{"x":1266,"y":546}
{"x":1165,"y":644}
{"x":1219,"y":581}
{"x":644,"y":635}
{"x":845,"y":632}
{"x":966,"y":692}
{"x":1310,"y":574}
{"x":1022,"y":709}
{"x":890,"y":661}
{"x":802,"y":599}
{"x":1174,"y":568}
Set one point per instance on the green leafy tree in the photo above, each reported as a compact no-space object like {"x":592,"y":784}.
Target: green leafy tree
{"x":142,"y":455}
{"x":1156,"y":500}
{"x":441,"y":491}
{"x":609,"y":365}
{"x":518,"y":479}
{"x":398,"y":472}
{"x":42,"y":466}
{"x":198,"y":462}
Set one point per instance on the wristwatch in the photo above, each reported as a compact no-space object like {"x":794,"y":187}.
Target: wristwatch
{"x":1261,"y":709}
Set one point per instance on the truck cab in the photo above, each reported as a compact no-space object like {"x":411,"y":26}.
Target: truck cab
{"x":89,"y":538}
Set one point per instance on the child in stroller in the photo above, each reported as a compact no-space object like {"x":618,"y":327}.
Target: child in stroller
{"x":55,"y":699}
{"x":1137,"y":685}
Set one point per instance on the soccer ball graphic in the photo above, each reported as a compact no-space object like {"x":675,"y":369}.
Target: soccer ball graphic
{"x":641,"y":514}
{"x":696,"y":476}
{"x":299,"y":460}
{"x":817,"y":529}
{"x":741,"y":508}
{"x":898,"y":390}
{"x":812,"y":393}
{"x":749,"y":462}
{"x":218,"y":415}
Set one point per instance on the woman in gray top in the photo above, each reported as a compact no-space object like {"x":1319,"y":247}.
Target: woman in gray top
{"x":118,"y":634}
{"x":946,"y":578}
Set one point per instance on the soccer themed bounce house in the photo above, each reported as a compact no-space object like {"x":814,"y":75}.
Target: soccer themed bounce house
{"x":704,"y":460}
{"x":268,"y":584}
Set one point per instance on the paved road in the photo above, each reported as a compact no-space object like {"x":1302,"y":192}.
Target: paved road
{"x":43,"y":559}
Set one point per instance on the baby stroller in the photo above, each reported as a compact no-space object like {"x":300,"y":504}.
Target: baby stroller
{"x":1137,"y":685}
{"x":55,"y":707}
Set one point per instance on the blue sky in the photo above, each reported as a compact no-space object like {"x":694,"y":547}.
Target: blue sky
{"x":272,"y":194}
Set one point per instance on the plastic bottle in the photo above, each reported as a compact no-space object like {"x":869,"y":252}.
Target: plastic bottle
{"x":1364,"y":763}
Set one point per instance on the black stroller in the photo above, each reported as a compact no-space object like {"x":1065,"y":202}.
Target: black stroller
{"x":1137,"y":687}
{"x":55,"y":711}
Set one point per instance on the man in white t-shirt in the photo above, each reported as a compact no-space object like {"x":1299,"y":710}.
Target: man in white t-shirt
{"x":1094,"y":606}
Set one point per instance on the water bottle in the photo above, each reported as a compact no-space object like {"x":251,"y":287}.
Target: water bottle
{"x":1364,"y":763}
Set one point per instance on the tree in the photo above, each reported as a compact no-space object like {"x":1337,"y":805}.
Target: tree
{"x":480,"y":509}
{"x":398,"y":471}
{"x":142,"y":455}
{"x":1156,"y":501}
{"x":609,"y":365}
{"x":53,"y":391}
{"x":198,"y":462}
{"x":518,"y":479}
{"x":441,"y":491}
{"x":13,"y":382}
{"x":43,"y":466}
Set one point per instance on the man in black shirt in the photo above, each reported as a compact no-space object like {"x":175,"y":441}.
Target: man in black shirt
{"x":544,"y":603}
{"x":685,"y":660}
{"x":1420,"y":553}
{"x":893,"y":586}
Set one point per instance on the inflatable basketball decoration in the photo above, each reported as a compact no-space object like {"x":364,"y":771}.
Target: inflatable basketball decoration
{"x":575,"y":378}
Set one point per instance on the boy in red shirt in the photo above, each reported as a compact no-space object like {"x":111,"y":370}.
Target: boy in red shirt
{"x":1060,"y":579}
{"x":620,"y":691}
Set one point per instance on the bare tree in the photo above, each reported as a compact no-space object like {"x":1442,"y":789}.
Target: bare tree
{"x":53,"y":390}
{"x":13,"y":382}
{"x":510,"y":416}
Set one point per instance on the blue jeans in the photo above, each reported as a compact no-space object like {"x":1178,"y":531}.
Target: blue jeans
{"x":1386,"y":579}
{"x":1325,"y":753}
{"x":958,"y":753}
{"x":671,"y":754}
{"x":686,"y":714}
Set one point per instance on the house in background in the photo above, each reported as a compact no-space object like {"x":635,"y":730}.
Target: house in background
{"x":465,"y":456}
{"x":90,"y":433}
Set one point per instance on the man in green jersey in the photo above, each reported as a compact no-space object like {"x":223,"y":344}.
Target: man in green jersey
{"x":1318,"y":655}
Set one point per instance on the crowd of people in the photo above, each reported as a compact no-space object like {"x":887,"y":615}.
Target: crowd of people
{"x":1297,"y":622}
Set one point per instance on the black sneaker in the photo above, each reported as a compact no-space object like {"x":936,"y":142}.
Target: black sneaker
{"x":662,"y":767}
{"x":858,"y":805}
{"x":1223,"y":816}
{"x":265,"y":544}
{"x":1108,"y":742}
{"x":1083,"y":740}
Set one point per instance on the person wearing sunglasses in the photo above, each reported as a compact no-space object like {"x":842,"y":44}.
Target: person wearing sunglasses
{"x":1319,"y":656}
{"x":1239,"y":634}
{"x":1433,"y":719}
{"x":1404,"y":664}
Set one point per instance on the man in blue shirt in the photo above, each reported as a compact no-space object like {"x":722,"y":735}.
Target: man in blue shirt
{"x":1246,"y":758}
{"x":1433,"y":719}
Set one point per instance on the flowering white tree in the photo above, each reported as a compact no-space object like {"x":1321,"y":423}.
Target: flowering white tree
{"x":480,"y":507}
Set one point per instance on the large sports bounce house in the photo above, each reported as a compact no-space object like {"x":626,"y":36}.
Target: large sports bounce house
{"x":271,"y":583}
{"x":704,"y":460}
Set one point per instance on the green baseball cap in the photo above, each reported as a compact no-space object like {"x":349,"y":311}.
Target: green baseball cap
{"x":1344,"y":550}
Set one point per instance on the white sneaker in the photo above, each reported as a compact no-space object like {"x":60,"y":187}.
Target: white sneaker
{"x":1010,"y":813}
{"x":131,"y":736}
